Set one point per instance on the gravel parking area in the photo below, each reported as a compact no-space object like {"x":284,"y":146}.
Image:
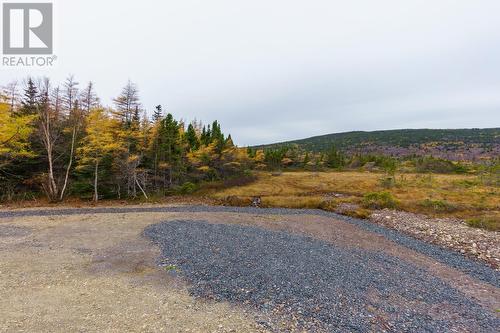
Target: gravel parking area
{"x":229,"y":269}
{"x":453,"y":259}
{"x":317,"y":285}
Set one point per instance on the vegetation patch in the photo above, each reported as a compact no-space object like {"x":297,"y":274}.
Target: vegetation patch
{"x":187,"y":188}
{"x":439,"y":206}
{"x":437,"y":165}
{"x":360,"y":213}
{"x":234,"y":200}
{"x":379,"y":200}
{"x":491,"y":224}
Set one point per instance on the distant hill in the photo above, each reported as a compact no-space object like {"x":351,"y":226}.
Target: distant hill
{"x":467,"y":144}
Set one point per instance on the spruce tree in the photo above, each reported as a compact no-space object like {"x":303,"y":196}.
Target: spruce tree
{"x":169,"y":145}
{"x":217,"y":137}
{"x":192,"y":138}
{"x":307,"y":159}
{"x":157,"y":113}
{"x":203,"y":136}
{"x":216,"y":134}
{"x":208,"y":138}
{"x":334,"y":158}
{"x":29,"y":102}
{"x":229,"y":142}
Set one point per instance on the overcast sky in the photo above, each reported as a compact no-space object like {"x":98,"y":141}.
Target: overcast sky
{"x":274,"y":70}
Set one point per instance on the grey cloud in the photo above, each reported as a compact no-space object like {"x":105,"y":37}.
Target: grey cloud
{"x":272,"y":71}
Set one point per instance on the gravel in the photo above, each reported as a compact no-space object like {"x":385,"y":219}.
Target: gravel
{"x":451,"y":233}
{"x":454,"y":259}
{"x":13,"y":231}
{"x":317,"y":286}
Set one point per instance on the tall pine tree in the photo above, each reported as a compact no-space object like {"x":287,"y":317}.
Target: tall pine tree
{"x":157,"y":113}
{"x":29,"y":102}
{"x":192,"y":138}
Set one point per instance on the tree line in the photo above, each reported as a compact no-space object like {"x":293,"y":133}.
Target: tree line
{"x":60,"y":140}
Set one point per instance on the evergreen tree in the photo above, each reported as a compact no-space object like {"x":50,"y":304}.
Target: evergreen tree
{"x":203,"y":136}
{"x":229,"y":142}
{"x":169,"y":146}
{"x":251,"y":152}
{"x":334,"y":158}
{"x":192,"y":138}
{"x":307,"y":159}
{"x":208,"y":136}
{"x":157,"y":113}
{"x":136,"y":118}
{"x":217,"y":137}
{"x":29,"y":101}
{"x":216,"y":134}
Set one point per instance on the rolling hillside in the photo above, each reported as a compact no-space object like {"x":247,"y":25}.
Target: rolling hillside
{"x":447,"y":143}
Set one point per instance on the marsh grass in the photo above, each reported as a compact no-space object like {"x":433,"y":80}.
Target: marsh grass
{"x":462,"y":196}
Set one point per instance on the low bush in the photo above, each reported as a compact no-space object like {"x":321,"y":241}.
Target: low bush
{"x":187,"y":188}
{"x":437,"y":165}
{"x":388,"y":182}
{"x":439,"y":206}
{"x":359,"y":213}
{"x":237,"y":201}
{"x":484,"y":223}
{"x":379,"y":200}
{"x":328,"y":205}
{"x":467,"y":183}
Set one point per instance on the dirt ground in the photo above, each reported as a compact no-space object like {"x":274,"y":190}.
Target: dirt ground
{"x":97,"y":273}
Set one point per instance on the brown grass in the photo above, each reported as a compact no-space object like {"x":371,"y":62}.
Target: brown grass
{"x":461,"y":196}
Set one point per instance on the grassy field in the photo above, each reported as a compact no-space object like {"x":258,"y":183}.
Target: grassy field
{"x":468,"y":197}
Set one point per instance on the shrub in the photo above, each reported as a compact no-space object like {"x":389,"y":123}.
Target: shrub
{"x":388,"y":182}
{"x":441,"y":206}
{"x":490,"y":174}
{"x":466,"y":183}
{"x":234,"y":200}
{"x":379,"y":200}
{"x":187,"y":188}
{"x":484,"y":223}
{"x":82,"y":189}
{"x":334,"y":158}
{"x":359,"y":213}
{"x":328,"y":205}
{"x":437,"y":165}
